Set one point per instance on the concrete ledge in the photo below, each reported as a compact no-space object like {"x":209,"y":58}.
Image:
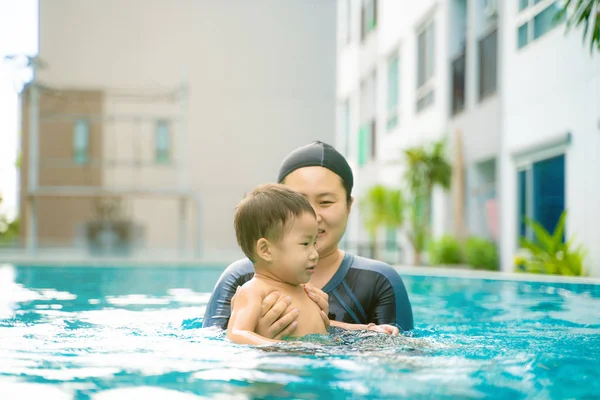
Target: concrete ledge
{"x":61,"y":259}
{"x":465,"y":272}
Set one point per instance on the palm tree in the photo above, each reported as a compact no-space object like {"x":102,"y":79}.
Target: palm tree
{"x":426,"y":168}
{"x":381,"y":207}
{"x":584,"y":13}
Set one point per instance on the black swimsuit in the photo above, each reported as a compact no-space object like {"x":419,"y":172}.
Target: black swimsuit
{"x":361,"y":291}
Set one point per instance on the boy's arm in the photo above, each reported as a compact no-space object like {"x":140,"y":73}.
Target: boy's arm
{"x":389,"y":329}
{"x":245,"y":313}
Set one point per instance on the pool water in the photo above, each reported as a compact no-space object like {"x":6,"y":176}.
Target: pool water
{"x":121,"y":333}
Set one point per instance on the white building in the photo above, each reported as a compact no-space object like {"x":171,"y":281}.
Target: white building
{"x":551,"y":128}
{"x":260,"y":79}
{"x":410,"y":72}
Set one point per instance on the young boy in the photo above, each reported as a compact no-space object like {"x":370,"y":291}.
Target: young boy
{"x":277,"y":230}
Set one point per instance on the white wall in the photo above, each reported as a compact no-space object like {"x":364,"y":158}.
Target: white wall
{"x":398,"y":22}
{"x":551,"y":87}
{"x":261,"y":73}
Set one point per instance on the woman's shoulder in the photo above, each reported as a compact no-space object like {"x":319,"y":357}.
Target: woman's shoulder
{"x":236,"y":274}
{"x":359,"y":262}
{"x":371,"y":266}
{"x":242,"y":266}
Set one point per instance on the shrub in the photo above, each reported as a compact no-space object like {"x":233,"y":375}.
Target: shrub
{"x":446,"y":250}
{"x":548,"y":254}
{"x":481,"y":253}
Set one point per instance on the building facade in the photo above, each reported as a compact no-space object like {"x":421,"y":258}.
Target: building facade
{"x":499,"y":77}
{"x":259,"y":80}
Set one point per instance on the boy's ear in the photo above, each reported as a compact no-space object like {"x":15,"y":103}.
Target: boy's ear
{"x":263,"y":250}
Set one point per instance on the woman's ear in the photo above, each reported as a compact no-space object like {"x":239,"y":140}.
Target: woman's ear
{"x":263,"y":250}
{"x":350,"y":202}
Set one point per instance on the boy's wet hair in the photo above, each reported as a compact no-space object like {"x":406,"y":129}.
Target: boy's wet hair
{"x":266,"y":213}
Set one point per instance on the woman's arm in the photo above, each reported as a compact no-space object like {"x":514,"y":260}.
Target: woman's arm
{"x":245,"y":314}
{"x":389,"y":329}
{"x":392,"y":303}
{"x":218,"y":308}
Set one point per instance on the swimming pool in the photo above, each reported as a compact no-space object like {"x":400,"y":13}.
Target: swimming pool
{"x":112,"y":333}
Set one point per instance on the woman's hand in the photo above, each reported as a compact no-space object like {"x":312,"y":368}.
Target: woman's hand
{"x":273,"y":323}
{"x":384,"y":328}
{"x":322,"y":300}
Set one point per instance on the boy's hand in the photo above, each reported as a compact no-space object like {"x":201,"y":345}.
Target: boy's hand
{"x":322,"y":300}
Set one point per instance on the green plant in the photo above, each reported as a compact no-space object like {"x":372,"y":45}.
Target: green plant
{"x":9,"y":231}
{"x":584,"y":13}
{"x":446,"y":250}
{"x":426,"y":168}
{"x":381,"y":207}
{"x":481,"y":253}
{"x":548,"y":254}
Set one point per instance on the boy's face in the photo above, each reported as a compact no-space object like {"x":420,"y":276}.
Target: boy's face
{"x":295,"y":255}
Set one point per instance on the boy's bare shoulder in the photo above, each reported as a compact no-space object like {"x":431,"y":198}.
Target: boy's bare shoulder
{"x":254,"y":287}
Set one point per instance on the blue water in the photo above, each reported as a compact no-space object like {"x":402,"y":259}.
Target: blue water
{"x":122,"y":333}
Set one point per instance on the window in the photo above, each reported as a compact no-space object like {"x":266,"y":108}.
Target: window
{"x":458,"y":83}
{"x":368,"y":18}
{"x":541,"y":194}
{"x":367,"y":142}
{"x":425,"y":66}
{"x":523,"y":35}
{"x":540,"y":22}
{"x":488,"y":50}
{"x":523,"y":4}
{"x":162,"y":142}
{"x":346,"y":21}
{"x":368,"y":127}
{"x":545,"y":21}
{"x":345,"y":127}
{"x":81,"y":140}
{"x":392,"y":92}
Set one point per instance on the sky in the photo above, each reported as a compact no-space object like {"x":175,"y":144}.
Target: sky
{"x":18,"y":35}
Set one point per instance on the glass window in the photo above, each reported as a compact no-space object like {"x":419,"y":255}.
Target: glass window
{"x":345,"y":127}
{"x":458,"y":83}
{"x":368,"y":17}
{"x":425,"y":54}
{"x":523,"y":35}
{"x":363,"y":145}
{"x":522,"y":195}
{"x":392,"y":92}
{"x":488,"y":65}
{"x":546,"y":20}
{"x":543,"y":22}
{"x":81,"y":139}
{"x":162,"y":142}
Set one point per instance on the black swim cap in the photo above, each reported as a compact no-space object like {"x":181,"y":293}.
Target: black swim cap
{"x":318,"y":154}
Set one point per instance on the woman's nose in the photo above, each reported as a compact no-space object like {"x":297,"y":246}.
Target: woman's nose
{"x":319,"y":218}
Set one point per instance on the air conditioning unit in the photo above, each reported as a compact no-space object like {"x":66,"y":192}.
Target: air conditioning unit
{"x":490,"y":8}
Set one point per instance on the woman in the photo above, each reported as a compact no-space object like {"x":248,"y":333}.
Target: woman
{"x":346,"y":287}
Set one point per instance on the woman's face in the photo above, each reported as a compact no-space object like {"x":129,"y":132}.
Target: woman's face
{"x":324,"y":190}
